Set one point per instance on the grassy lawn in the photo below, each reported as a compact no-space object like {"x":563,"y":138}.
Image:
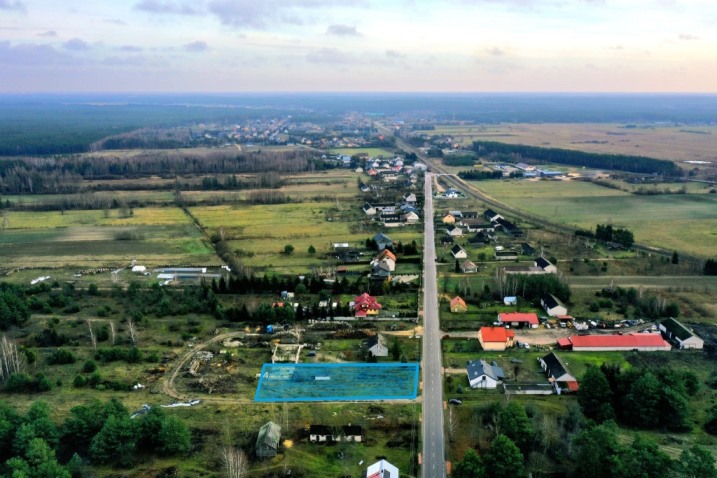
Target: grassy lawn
{"x":372,"y":152}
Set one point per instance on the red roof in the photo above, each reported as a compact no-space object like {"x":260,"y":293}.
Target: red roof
{"x":366,"y":302}
{"x":621,"y":341}
{"x":530,"y":317}
{"x":496,"y":334}
{"x":572,"y":386}
{"x":566,"y":317}
{"x":457,"y":301}
{"x":565,"y":343}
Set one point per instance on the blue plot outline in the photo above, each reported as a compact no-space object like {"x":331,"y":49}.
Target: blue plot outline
{"x":322,"y":366}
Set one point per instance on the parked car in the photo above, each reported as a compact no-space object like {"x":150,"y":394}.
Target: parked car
{"x":454,"y":401}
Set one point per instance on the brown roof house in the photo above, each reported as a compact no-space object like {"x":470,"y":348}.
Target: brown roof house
{"x":267,"y":443}
{"x":458,"y":305}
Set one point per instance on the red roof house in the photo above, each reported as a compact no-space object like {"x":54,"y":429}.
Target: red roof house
{"x":495,"y":338}
{"x":642,"y":342}
{"x":458,"y":305}
{"x":366,"y":305}
{"x":516,"y":319}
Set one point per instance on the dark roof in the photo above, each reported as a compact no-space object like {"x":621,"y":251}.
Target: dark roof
{"x":550,"y":301}
{"x":375,"y":339}
{"x":542,"y":263}
{"x":446,"y":240}
{"x":269,"y":435}
{"x":476,"y":368}
{"x":456,"y":249}
{"x":480,"y":237}
{"x":677,"y":329}
{"x":555,"y":366}
{"x":381,"y":237}
{"x":527,"y":249}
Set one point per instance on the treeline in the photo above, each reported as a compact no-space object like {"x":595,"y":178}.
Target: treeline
{"x":14,"y":311}
{"x":619,"y":162}
{"x":644,"y":305}
{"x":147,"y":138}
{"x":652,"y":398}
{"x":532,"y":287}
{"x":459,"y":160}
{"x":608,"y":233}
{"x":480,"y":175}
{"x":64,"y":174}
{"x":97,"y":433}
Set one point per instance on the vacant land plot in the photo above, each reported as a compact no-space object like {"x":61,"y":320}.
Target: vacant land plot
{"x":683,"y":222}
{"x":679,"y":143}
{"x":337,"y":382}
{"x":372,"y":152}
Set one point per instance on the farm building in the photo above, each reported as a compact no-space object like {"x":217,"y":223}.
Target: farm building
{"x":481,"y":374}
{"x":519,"y":319}
{"x":495,"y":338}
{"x":365,"y":305}
{"x":553,"y":307}
{"x":545,"y":264}
{"x":505,"y":255}
{"x":267,"y":443}
{"x":327,"y":434}
{"x":458,"y":252}
{"x":491,"y":215}
{"x":382,"y":469}
{"x":558,"y":374}
{"x":458,"y":305}
{"x":600,"y":343}
{"x":377,"y":345}
{"x":677,"y":333}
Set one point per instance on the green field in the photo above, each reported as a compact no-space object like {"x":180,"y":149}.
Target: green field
{"x":683,"y":222}
{"x":372,"y":152}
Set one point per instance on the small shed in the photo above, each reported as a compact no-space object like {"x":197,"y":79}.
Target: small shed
{"x":267,"y":443}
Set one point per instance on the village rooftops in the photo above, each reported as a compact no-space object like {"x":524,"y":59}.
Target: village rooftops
{"x":496,"y":334}
{"x":518,"y":317}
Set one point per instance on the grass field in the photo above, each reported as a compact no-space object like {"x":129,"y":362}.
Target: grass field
{"x":683,"y":222}
{"x":153,"y":236}
{"x":677,"y":143}
{"x":372,"y":152}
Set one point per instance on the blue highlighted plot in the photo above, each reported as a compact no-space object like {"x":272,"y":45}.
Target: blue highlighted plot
{"x":337,"y":382}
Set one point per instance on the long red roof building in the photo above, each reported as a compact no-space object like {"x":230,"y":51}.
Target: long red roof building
{"x":643,"y":342}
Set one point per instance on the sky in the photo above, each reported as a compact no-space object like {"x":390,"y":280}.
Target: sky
{"x":235,"y":46}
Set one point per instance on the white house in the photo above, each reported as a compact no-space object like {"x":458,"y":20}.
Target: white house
{"x":545,"y":264}
{"x":481,"y":374}
{"x":553,"y":307}
{"x":382,"y":469}
{"x":458,"y":252}
{"x":378,"y":346}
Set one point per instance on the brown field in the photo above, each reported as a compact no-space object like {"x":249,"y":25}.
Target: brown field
{"x":678,"y":143}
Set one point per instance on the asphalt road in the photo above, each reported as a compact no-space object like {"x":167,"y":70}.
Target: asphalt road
{"x":433,"y":455}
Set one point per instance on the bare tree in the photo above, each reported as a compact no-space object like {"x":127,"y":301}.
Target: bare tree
{"x":236,"y":463}
{"x":10,"y":361}
{"x":112,"y":331}
{"x":93,"y":339}
{"x":132,"y":331}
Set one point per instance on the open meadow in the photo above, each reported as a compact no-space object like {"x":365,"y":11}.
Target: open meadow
{"x":681,"y":222}
{"x":677,"y":143}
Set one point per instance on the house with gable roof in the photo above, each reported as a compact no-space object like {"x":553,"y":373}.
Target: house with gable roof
{"x":481,"y":374}
{"x":366,"y":305}
{"x":267,"y":442}
{"x":458,"y":305}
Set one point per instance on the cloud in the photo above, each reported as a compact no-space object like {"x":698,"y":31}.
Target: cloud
{"x":687,"y":36}
{"x":196,"y":46}
{"x":30,"y":54}
{"x":395,"y":54}
{"x":17,"y":5}
{"x":495,"y":51}
{"x":329,"y":55}
{"x":130,"y":48}
{"x":114,"y":21}
{"x":259,"y":14}
{"x":48,"y":33}
{"x":76,"y":44}
{"x":343,"y":31}
{"x":166,"y":7}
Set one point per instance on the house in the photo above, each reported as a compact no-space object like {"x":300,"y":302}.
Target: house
{"x":327,"y":434}
{"x":545,"y":264}
{"x":469,"y":267}
{"x":519,"y":319}
{"x":409,"y":198}
{"x":626,"y":342}
{"x":454,"y":231}
{"x":510,"y":300}
{"x":369,"y":210}
{"x":458,"y":305}
{"x":377,"y":345}
{"x":446,"y":240}
{"x":527,"y":249}
{"x":495,"y":338}
{"x":380,"y":270}
{"x":391,"y":220}
{"x":677,"y":333}
{"x":477,"y":225}
{"x":491,"y":215}
{"x":267,"y":443}
{"x":452,"y":193}
{"x":558,"y":374}
{"x":386,"y":254}
{"x":479,"y":239}
{"x":481,"y":374}
{"x":382,"y":241}
{"x":470,"y":214}
{"x":553,"y":307}
{"x":382,"y":469}
{"x":410,"y":217}
{"x":458,"y":252}
{"x":366,"y":305}
{"x":448,"y":219}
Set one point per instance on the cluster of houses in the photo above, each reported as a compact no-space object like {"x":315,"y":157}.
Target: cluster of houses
{"x":392,"y":214}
